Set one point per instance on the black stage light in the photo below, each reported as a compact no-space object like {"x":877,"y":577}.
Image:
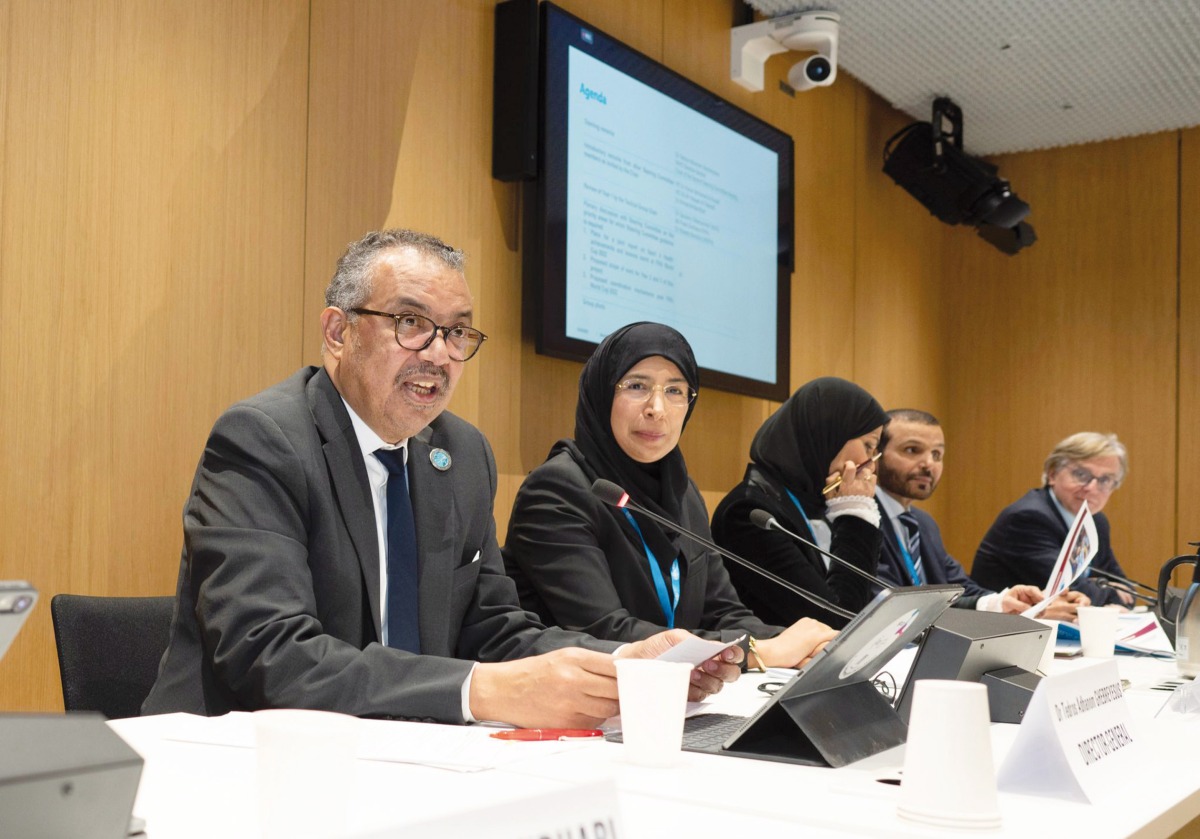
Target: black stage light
{"x":927,"y":160}
{"x":1008,"y":239}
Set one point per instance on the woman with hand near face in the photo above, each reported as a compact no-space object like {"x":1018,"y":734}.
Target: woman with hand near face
{"x":827,"y":430}
{"x":614,"y":573}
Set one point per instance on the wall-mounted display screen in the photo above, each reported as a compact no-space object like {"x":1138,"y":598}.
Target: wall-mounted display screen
{"x":657,"y":200}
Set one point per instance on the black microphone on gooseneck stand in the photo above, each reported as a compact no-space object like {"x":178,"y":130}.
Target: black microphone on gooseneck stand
{"x":610,"y":493}
{"x":763,"y":519}
{"x":1122,"y":583}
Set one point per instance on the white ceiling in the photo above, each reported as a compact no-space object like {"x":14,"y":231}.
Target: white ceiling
{"x":1028,"y":74}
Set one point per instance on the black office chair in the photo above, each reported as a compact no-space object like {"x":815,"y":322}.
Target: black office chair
{"x":109,"y":649}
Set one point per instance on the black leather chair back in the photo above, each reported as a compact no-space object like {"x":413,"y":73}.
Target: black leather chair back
{"x":109,"y":649}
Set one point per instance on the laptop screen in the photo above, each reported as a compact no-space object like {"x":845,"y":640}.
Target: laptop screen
{"x":894,"y":618}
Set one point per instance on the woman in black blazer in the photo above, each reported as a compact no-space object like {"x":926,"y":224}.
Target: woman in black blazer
{"x":579,"y":562}
{"x":823,"y":431}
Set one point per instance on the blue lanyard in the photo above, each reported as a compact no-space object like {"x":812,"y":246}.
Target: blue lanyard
{"x":660,"y":585}
{"x":908,"y":560}
{"x":803,"y":515}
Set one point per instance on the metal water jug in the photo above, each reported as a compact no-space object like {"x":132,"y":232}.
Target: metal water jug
{"x":1178,"y":612}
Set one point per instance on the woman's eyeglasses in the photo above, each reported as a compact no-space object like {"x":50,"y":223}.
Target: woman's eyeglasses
{"x":674,"y":395}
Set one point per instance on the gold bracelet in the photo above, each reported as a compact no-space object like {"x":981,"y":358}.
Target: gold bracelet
{"x":753,"y":645}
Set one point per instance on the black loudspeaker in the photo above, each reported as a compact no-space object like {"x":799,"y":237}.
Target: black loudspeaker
{"x":515,"y":91}
{"x":65,"y":775}
{"x":1002,"y":651}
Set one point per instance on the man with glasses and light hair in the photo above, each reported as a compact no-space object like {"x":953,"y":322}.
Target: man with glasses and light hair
{"x":1023,"y":543}
{"x":339,"y":545}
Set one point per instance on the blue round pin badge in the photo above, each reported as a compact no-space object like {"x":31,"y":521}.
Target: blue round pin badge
{"x":440,"y":458}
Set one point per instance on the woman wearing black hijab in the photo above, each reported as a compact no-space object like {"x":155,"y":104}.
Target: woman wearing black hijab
{"x":828,"y":429}
{"x":584,"y":564}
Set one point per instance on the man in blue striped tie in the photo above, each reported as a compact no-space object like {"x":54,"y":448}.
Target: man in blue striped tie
{"x":914,"y":447}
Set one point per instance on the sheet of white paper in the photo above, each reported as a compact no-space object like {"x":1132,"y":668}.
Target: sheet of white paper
{"x":695,"y":650}
{"x":457,"y":748}
{"x":1136,"y":633}
{"x":1143,"y":634}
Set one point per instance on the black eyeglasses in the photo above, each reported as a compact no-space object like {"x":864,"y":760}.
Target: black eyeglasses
{"x":416,"y":332}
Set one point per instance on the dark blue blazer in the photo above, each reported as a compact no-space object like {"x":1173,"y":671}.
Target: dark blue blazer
{"x":938,"y":565}
{"x":1023,"y":543}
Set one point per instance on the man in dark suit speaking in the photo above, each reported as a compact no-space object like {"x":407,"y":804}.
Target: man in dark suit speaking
{"x":913,"y":447}
{"x":339,"y":546}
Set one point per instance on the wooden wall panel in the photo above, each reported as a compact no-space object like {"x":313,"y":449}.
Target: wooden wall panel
{"x":898,"y":307}
{"x":361,"y":68}
{"x":1076,"y":333}
{"x":1187,"y":502}
{"x":150,"y":261}
{"x":446,"y":152}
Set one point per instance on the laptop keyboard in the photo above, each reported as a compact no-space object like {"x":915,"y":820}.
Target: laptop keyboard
{"x":703,"y":732}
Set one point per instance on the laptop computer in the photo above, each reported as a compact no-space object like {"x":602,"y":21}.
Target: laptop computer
{"x":17,"y":599}
{"x":830,"y":713}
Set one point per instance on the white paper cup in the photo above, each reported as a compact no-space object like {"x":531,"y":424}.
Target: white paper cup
{"x":653,"y":697}
{"x":949,"y":779}
{"x":305,"y":772}
{"x":1051,"y":642}
{"x":1098,"y":631}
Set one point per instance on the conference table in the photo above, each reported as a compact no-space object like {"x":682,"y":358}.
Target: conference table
{"x":200,"y":780}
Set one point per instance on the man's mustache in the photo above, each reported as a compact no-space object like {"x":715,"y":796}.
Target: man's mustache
{"x":427,"y":371}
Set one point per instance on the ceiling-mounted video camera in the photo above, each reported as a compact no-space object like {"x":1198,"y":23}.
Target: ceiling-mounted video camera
{"x":928,"y":161}
{"x":752,"y":44}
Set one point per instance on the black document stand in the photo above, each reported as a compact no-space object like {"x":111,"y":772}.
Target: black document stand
{"x":831,"y":727}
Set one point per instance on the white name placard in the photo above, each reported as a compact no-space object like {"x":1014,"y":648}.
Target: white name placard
{"x":1077,"y":740}
{"x":588,"y":811}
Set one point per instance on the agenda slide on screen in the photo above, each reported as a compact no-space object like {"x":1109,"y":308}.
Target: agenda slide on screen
{"x":673,"y":219}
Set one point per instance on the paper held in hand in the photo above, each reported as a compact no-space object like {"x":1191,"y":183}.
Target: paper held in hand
{"x":1076,"y":555}
{"x":696,"y":651}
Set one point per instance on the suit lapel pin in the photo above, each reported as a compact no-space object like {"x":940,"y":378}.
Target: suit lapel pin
{"x":440,"y":458}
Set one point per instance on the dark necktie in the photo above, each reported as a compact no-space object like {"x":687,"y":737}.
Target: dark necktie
{"x":913,"y":542}
{"x":402,"y":625}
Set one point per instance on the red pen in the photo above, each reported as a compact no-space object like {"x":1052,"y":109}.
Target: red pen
{"x":538,"y":734}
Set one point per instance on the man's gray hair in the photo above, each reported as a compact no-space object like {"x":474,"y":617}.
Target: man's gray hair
{"x":351,"y":284}
{"x":1084,"y":446}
